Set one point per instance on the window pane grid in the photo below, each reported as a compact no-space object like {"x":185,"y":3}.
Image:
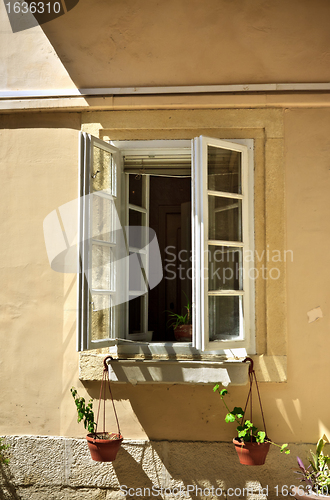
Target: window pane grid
{"x":225,"y":219}
{"x":225,"y":270}
{"x":220,"y":243}
{"x":222,"y":194}
{"x":137,"y":208}
{"x":103,"y":243}
{"x":103,"y":172}
{"x":101,"y":316}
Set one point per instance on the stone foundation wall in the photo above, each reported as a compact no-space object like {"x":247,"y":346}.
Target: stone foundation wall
{"x":57,"y":468}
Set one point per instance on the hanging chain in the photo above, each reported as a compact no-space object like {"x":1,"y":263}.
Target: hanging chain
{"x":253,"y":378}
{"x":105,"y":379}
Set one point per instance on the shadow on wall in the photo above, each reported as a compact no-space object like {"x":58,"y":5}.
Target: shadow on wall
{"x":43,"y":467}
{"x":201,"y":470}
{"x":7,"y":488}
{"x":131,"y":474}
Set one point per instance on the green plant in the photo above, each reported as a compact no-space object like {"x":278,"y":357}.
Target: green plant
{"x":181,"y":319}
{"x":246,"y":430}
{"x":3,"y":447}
{"x":317,"y":474}
{"x":85,"y":411}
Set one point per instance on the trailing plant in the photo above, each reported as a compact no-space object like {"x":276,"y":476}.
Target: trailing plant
{"x":85,"y":411}
{"x":317,"y":474}
{"x":3,"y":447}
{"x":181,"y":319}
{"x":246,"y":430}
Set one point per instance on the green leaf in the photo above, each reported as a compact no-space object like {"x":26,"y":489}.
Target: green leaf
{"x":229,"y":418}
{"x":238,"y":412}
{"x":223,"y":392}
{"x":261,"y":437}
{"x":320,"y":446}
{"x":216,"y":387}
{"x":254,"y":429}
{"x":242,"y":433}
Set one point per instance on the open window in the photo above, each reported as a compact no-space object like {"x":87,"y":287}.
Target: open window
{"x":163,"y":223}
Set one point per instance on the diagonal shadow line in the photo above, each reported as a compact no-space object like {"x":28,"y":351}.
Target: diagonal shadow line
{"x":6,"y":481}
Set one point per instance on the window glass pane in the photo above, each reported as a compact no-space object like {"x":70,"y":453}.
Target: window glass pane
{"x":103,"y":268}
{"x":224,"y":170}
{"x":102,"y":171}
{"x":137,"y":274}
{"x":135,"y":189}
{"x":225,"y":317}
{"x":225,"y":268}
{"x":225,"y":220}
{"x":101,"y":316}
{"x":136,"y":306}
{"x":137,"y":229}
{"x":103,"y":219}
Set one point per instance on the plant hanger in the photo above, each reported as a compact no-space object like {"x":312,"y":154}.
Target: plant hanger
{"x":105,"y":382}
{"x":251,"y":444}
{"x":104,"y":445}
{"x":253,"y":380}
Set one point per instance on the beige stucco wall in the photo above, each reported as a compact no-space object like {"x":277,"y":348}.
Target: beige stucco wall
{"x":39,"y":171}
{"x":28,"y":61}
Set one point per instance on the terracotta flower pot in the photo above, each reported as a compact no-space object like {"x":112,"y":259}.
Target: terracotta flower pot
{"x":104,"y":450}
{"x":251,"y":453}
{"x":300,"y":493}
{"x":183,"y":333}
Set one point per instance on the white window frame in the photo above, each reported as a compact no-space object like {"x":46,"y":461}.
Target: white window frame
{"x":86,"y":240}
{"x":200,"y":241}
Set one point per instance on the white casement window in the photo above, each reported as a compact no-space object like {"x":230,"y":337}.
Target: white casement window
{"x":197,"y":198}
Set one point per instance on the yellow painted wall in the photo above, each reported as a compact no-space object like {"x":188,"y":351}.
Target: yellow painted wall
{"x":38,"y":360}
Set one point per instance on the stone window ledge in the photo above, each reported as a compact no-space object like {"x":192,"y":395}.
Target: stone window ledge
{"x":169,"y":371}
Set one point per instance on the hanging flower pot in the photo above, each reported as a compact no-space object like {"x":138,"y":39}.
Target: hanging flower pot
{"x":251,"y":453}
{"x":252,"y":445}
{"x":103,"y":446}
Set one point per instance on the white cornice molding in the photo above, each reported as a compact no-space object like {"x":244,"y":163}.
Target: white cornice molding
{"x":190,"y":89}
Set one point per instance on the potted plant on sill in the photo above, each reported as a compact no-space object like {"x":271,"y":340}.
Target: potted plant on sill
{"x":252,"y":445}
{"x":181,"y":324}
{"x":103,"y":446}
{"x":316,"y":475}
